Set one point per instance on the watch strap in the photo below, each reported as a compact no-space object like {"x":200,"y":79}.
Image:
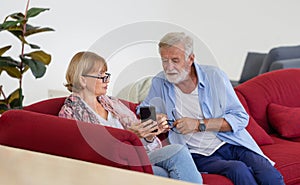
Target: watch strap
{"x":202,"y":126}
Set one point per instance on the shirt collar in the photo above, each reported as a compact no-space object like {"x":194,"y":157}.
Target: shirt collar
{"x":200,"y":75}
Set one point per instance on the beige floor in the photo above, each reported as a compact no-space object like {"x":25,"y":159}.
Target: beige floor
{"x":22,"y":167}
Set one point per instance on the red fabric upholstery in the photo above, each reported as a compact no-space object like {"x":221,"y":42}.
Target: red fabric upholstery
{"x":78,"y":140}
{"x":286,"y":155}
{"x":258,"y":133}
{"x":277,"y":87}
{"x":285,"y":120}
{"x":280,"y":87}
{"x":51,"y":106}
{"x":213,"y":179}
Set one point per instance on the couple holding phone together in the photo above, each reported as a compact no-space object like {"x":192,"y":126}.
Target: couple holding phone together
{"x":149,"y":113}
{"x":198,"y":92}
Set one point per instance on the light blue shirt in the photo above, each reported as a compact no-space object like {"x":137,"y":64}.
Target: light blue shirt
{"x":217,"y":100}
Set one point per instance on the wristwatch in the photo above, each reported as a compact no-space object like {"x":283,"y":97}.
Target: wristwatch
{"x":202,"y":126}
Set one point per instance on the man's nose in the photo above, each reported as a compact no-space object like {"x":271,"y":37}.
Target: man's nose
{"x":169,"y":65}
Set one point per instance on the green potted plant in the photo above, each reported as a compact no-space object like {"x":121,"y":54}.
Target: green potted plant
{"x":31,"y":56}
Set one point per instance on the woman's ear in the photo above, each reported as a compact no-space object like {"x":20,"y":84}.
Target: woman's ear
{"x":82,"y":82}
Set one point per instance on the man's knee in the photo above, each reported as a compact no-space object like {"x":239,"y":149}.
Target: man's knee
{"x":237,"y":168}
{"x":239,"y":173}
{"x":271,"y":177}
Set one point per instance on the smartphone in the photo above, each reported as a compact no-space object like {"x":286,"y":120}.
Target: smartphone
{"x":148,"y":112}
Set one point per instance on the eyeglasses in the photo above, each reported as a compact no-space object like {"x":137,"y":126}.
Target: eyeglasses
{"x":171,"y":121}
{"x":105,"y":78}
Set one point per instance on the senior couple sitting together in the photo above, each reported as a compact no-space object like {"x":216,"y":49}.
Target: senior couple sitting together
{"x":198,"y":108}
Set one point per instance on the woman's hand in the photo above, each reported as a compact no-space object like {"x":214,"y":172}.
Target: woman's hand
{"x":149,"y":129}
{"x":145,"y":129}
{"x":162,"y":123}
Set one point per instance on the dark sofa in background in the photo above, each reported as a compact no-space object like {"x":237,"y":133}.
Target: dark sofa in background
{"x":271,"y":99}
{"x":282,"y":57}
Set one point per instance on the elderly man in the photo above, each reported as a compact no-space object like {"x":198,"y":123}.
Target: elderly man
{"x":207,"y":116}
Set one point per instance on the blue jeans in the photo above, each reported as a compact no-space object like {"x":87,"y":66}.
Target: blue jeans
{"x":239,"y":164}
{"x":176,"y":162}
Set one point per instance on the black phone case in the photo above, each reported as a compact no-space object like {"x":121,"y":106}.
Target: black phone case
{"x":147,"y":113}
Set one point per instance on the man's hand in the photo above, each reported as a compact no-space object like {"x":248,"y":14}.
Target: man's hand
{"x":186,"y":125}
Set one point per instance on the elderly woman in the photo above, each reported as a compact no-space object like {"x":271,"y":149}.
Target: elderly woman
{"x":87,"y":79}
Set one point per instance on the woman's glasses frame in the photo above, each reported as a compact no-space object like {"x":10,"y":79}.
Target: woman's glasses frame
{"x":105,"y":78}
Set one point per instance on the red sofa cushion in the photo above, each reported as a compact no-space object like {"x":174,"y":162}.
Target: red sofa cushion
{"x":285,"y":120}
{"x":256,"y":131}
{"x":285,"y":154}
{"x":214,"y":179}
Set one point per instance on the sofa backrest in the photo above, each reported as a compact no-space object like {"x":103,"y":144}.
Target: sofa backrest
{"x":53,"y":106}
{"x":252,"y":66}
{"x":49,"y":106}
{"x":281,"y":87}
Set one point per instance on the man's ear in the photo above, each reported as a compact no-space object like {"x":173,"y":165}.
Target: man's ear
{"x":191,"y":59}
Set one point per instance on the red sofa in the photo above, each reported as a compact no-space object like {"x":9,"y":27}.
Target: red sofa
{"x":38,"y":128}
{"x":273,"y":103}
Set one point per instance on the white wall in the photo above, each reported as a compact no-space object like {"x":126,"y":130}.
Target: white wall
{"x":229,"y":28}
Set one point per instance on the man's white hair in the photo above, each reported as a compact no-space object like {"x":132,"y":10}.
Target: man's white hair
{"x":173,"y":38}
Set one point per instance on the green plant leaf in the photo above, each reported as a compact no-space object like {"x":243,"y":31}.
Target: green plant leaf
{"x":40,"y":56}
{"x":12,"y":71}
{"x":19,"y":35}
{"x":8,"y":24}
{"x":17,"y":16}
{"x":4,"y":49}
{"x":15,"y":28}
{"x":3,"y":106}
{"x":13,"y":95}
{"x":32,"y":12}
{"x":30,"y":27}
{"x":34,"y":46}
{"x":26,"y":68}
{"x":37,"y":68}
{"x":39,"y":30}
{"x":11,"y":67}
{"x":8,"y":61}
{"x":15,"y":99}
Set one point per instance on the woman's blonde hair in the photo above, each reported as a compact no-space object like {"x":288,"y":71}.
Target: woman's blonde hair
{"x":82,"y":63}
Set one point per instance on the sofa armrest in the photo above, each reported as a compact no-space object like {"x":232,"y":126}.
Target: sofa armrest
{"x":284,"y":64}
{"x":73,"y":139}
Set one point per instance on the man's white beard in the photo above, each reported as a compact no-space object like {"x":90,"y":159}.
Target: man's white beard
{"x":179,"y":77}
